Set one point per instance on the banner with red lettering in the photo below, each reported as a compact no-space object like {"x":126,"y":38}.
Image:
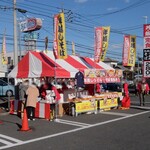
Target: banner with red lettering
{"x":146,"y":34}
{"x":55,"y":43}
{"x":101,"y":43}
{"x":146,"y":51}
{"x":93,"y":76}
{"x":98,"y":43}
{"x":129,"y":50}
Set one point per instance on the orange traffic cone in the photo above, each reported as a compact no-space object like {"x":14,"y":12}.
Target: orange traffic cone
{"x":25,"y":126}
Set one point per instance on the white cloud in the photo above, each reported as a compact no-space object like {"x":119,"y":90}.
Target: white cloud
{"x":112,"y":8}
{"x":127,"y":1}
{"x":81,"y":1}
{"x":116,"y":46}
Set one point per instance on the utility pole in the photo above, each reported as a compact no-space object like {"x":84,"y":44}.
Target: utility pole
{"x":146,"y":19}
{"x":15,"y":34}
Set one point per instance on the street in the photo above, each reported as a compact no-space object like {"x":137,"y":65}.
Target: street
{"x":110,"y":130}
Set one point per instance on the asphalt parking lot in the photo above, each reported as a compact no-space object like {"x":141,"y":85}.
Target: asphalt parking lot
{"x":110,"y":130}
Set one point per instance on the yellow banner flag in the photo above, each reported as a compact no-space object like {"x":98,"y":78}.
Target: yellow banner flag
{"x":62,"y":48}
{"x":105,"y":41}
{"x":132,"y":52}
{"x":4,"y":56}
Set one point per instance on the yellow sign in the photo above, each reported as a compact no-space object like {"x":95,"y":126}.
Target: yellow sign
{"x":62,"y":48}
{"x":108,"y":103}
{"x":132,"y":52}
{"x":86,"y":106}
{"x":105,"y":41}
{"x":4,"y":56}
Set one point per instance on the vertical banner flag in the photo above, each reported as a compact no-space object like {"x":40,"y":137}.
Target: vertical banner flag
{"x":55,"y":46}
{"x":4,"y":56}
{"x":98,"y":43}
{"x":146,"y":51}
{"x":106,"y":33}
{"x":101,"y":43}
{"x":129,"y":50}
{"x":146,"y":36}
{"x":73,"y":49}
{"x":60,"y":48}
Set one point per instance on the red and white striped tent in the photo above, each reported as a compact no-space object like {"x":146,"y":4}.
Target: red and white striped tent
{"x":37,"y":64}
{"x":40,"y":64}
{"x":73,"y":64}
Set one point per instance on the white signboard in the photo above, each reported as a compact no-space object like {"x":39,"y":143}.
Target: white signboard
{"x":146,"y":69}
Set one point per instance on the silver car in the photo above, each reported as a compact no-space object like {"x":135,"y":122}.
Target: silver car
{"x":6,"y":89}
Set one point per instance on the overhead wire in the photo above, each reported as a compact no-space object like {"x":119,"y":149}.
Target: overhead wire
{"x":118,"y":32}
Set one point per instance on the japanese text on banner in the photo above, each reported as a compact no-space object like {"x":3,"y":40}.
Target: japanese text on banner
{"x":98,"y":43}
{"x":105,"y":41}
{"x":55,"y":46}
{"x":129,"y":50}
{"x":132,"y":52}
{"x":4,"y":57}
{"x":62,"y":48}
{"x":126,"y":48}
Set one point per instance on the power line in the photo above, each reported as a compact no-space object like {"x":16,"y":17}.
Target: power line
{"x":134,"y":5}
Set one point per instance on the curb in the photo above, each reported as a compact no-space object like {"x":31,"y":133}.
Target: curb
{"x":140,"y":107}
{"x":3,"y":112}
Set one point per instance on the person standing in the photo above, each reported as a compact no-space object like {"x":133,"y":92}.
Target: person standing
{"x":125,"y":88}
{"x":139,"y":91}
{"x":32,"y":95}
{"x":22,"y":94}
{"x":144,"y":91}
{"x":126,"y":100}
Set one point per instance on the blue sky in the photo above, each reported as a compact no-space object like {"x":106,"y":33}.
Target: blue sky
{"x":123,"y":16}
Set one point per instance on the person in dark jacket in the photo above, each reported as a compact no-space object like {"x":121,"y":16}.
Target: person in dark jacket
{"x":22,"y":94}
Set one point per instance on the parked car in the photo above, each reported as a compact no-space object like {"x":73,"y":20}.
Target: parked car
{"x":132,"y":88}
{"x":6,"y":89}
{"x":114,"y":87}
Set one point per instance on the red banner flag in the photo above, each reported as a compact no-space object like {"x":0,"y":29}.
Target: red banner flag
{"x":55,"y":46}
{"x":98,"y":43}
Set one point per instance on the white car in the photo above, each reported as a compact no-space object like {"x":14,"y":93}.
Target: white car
{"x":6,"y":89}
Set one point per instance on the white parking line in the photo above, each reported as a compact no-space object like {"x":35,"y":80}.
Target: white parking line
{"x":70,"y":124}
{"x":73,"y":123}
{"x":10,"y":138}
{"x":72,"y":131}
{"x":8,"y":141}
{"x":114,"y":113}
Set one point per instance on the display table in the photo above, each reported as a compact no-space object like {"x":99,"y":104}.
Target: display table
{"x":108,"y":100}
{"x":94,"y":103}
{"x":42,"y":109}
{"x":78,"y":106}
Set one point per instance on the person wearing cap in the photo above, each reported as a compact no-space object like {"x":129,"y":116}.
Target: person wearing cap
{"x":144,"y":91}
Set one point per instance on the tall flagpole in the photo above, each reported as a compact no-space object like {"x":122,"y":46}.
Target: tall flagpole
{"x":56,"y":105}
{"x":15,"y":34}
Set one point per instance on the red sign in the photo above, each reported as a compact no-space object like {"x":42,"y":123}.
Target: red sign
{"x":101,"y":80}
{"x":31,"y":24}
{"x":146,"y":30}
{"x":92,"y":76}
{"x":146,"y":42}
{"x":126,"y":49}
{"x":98,"y":43}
